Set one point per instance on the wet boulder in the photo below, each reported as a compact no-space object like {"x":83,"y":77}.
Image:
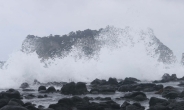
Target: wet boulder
{"x":41,"y":88}
{"x":80,"y":88}
{"x":146,"y":87}
{"x":74,"y":89}
{"x":11,"y":107}
{"x":181,"y":95}
{"x":126,"y":88}
{"x":134,"y":106}
{"x":16,"y":102}
{"x":68,"y":88}
{"x":170,"y":92}
{"x":129,"y":80}
{"x":24,"y":85}
{"x":99,"y":82}
{"x":137,"y":96}
{"x":103,"y":89}
{"x":31,"y":107}
{"x":166,"y":78}
{"x":159,"y":107}
{"x":59,"y":107}
{"x":112,"y":81}
{"x":154,"y":101}
{"x":3,"y":102}
{"x":124,"y":105}
{"x":40,"y":96}
{"x":28,"y":90}
{"x":176,"y":105}
{"x":29,"y":96}
{"x":51,"y":89}
{"x":181,"y":83}
{"x":11,"y":93}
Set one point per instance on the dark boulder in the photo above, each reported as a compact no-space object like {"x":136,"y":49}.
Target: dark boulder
{"x":103,"y":89}
{"x":170,"y":92}
{"x":181,"y":83}
{"x":146,"y":87}
{"x":112,"y":81}
{"x":28,"y":90}
{"x":181,"y":95}
{"x":68,"y":88}
{"x":30,"y":96}
{"x":166,"y":78}
{"x":51,"y":89}
{"x":3,"y":102}
{"x":42,"y":88}
{"x":16,"y":102}
{"x":129,"y":80}
{"x":134,"y":106}
{"x":159,"y":107}
{"x":59,"y":107}
{"x":153,"y":101}
{"x":31,"y":107}
{"x":11,"y":93}
{"x":40,"y":96}
{"x":10,"y":107}
{"x":24,"y":85}
{"x":80,"y":88}
{"x":175,"y":105}
{"x":74,"y":89}
{"x":124,"y":105}
{"x":126,"y":88}
{"x":99,"y":82}
{"x":138,"y":96}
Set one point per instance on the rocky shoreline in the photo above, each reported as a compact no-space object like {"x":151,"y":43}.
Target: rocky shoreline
{"x":111,"y":94}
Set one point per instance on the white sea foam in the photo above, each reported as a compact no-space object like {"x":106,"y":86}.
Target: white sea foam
{"x":125,"y":53}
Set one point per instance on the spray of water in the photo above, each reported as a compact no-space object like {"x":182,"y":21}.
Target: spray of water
{"x":125,"y":53}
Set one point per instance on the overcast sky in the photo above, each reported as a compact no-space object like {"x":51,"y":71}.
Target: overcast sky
{"x":18,"y":18}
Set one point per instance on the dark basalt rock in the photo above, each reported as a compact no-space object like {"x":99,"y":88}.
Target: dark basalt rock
{"x":80,"y":88}
{"x":41,"y":96}
{"x":103,"y":99}
{"x":99,"y":82}
{"x":28,"y":90}
{"x":181,"y":83}
{"x":30,"y":96}
{"x":134,"y":106}
{"x":42,"y":88}
{"x":129,"y":80}
{"x":103,"y":89}
{"x":78,"y":103}
{"x":112,"y":81}
{"x":176,"y":105}
{"x":166,"y":78}
{"x":74,"y":89}
{"x":146,"y":87}
{"x":124,"y":105}
{"x":154,"y":101}
{"x":16,"y":102}
{"x":11,"y":93}
{"x":3,"y":102}
{"x":27,"y":104}
{"x":159,"y":107}
{"x":24,"y":85}
{"x":181,"y":94}
{"x":51,"y":89}
{"x":11,"y":107}
{"x":31,"y":107}
{"x":170,"y":92}
{"x":59,"y":107}
{"x":69,"y":88}
{"x":138,"y":96}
